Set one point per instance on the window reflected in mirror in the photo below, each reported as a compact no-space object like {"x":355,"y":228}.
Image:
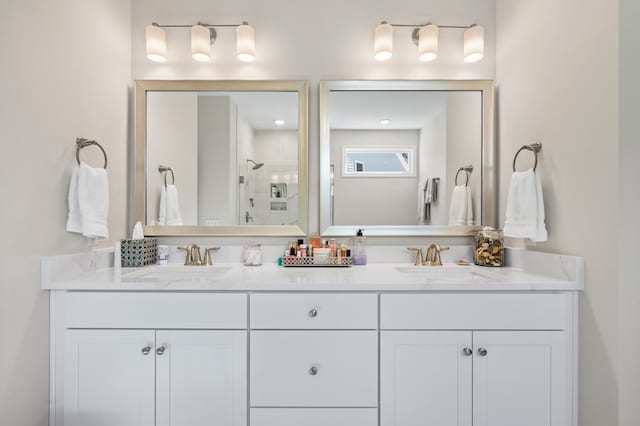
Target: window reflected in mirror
{"x":401,"y":158}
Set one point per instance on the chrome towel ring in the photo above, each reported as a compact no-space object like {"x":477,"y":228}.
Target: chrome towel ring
{"x":83,"y":143}
{"x":467,"y":171}
{"x":535,"y":148}
{"x":164,"y":170}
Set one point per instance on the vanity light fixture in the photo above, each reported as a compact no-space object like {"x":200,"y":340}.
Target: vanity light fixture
{"x":426,"y":37}
{"x":383,"y":42}
{"x":385,"y":121}
{"x":203,"y":36}
{"x":246,"y":42}
{"x":201,"y":40}
{"x":156,"y":43}
{"x":278,"y":122}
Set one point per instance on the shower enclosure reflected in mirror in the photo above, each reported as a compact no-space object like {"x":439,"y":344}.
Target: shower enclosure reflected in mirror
{"x":221,"y":157}
{"x":406,"y":157}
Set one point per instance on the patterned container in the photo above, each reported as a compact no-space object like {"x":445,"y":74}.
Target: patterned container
{"x":137,"y":253}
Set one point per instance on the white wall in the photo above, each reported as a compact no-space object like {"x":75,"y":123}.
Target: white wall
{"x":330,"y":39}
{"x":557,"y":78}
{"x":217,"y":181}
{"x":464,"y":141}
{"x":172,"y":140}
{"x":66,"y":68}
{"x":373,"y":200}
{"x":433,"y":148}
{"x":629,"y":214}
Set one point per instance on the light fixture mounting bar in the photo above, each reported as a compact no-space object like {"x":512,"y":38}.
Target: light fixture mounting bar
{"x":462,"y":27}
{"x":189,"y":26}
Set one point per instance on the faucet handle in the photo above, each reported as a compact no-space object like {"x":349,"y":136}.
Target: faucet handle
{"x":207,"y":255}
{"x":419,"y":257}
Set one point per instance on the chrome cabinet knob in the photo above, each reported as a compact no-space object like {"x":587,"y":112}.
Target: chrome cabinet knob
{"x":160,"y":350}
{"x":313,"y":370}
{"x":482,"y":352}
{"x":146,"y":350}
{"x":313,"y":313}
{"x":467,"y":351}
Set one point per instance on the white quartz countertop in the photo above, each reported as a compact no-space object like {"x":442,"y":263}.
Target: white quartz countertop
{"x":564,"y":274}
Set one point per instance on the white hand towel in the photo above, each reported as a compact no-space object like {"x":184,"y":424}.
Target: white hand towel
{"x":169,"y":211}
{"x":74,"y":221}
{"x":525,"y":208}
{"x":461,"y":210}
{"x":93,"y":201}
{"x":162,"y":207}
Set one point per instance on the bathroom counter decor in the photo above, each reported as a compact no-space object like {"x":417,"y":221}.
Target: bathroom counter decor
{"x":310,"y":261}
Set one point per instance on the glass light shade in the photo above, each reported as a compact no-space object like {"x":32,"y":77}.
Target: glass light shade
{"x":200,"y":43}
{"x":428,"y":43}
{"x":474,"y":44}
{"x":383,"y":42}
{"x":156,"y":41}
{"x":246,"y":42}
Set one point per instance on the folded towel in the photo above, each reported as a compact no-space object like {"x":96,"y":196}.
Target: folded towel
{"x":525,"y":207}
{"x":169,"y":209}
{"x":74,"y":220}
{"x":89,"y":202}
{"x":427,"y":196}
{"x":461,"y":210}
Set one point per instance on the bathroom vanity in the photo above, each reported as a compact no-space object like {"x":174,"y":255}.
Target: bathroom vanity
{"x":385,"y":344}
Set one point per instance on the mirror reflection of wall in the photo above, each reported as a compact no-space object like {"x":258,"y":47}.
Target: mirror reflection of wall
{"x":226,"y":149}
{"x":442,"y":128}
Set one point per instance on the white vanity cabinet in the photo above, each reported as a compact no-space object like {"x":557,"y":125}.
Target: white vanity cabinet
{"x":491,"y":360}
{"x":316,"y":358}
{"x":156,"y":376}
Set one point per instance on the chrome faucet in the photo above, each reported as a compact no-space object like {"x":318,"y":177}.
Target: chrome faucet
{"x":433,"y":255}
{"x":193,"y":255}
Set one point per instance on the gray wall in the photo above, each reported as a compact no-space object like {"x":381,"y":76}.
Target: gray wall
{"x":629,"y":214}
{"x":557,"y":77}
{"x":66,"y":68}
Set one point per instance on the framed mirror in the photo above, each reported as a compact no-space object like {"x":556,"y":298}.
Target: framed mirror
{"x":221,"y":157}
{"x":406,"y":158}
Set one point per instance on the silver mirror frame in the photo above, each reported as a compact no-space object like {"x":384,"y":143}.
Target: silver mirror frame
{"x":139,"y":192}
{"x":486,"y":87}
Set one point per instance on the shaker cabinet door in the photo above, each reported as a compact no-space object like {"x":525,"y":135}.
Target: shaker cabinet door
{"x":109,"y":378}
{"x":425,"y":378}
{"x":519,"y":378}
{"x":201,"y":378}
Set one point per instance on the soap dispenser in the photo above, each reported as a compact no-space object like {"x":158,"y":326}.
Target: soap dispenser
{"x":359,"y":249}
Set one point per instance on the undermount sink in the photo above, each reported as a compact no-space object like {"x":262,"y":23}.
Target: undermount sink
{"x":447,"y":273}
{"x":179,"y":272}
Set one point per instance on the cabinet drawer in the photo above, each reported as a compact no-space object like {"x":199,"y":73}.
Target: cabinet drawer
{"x":314,"y":416}
{"x":314,"y":311}
{"x":314,"y":368}
{"x":541,"y":311}
{"x":155,"y":310}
